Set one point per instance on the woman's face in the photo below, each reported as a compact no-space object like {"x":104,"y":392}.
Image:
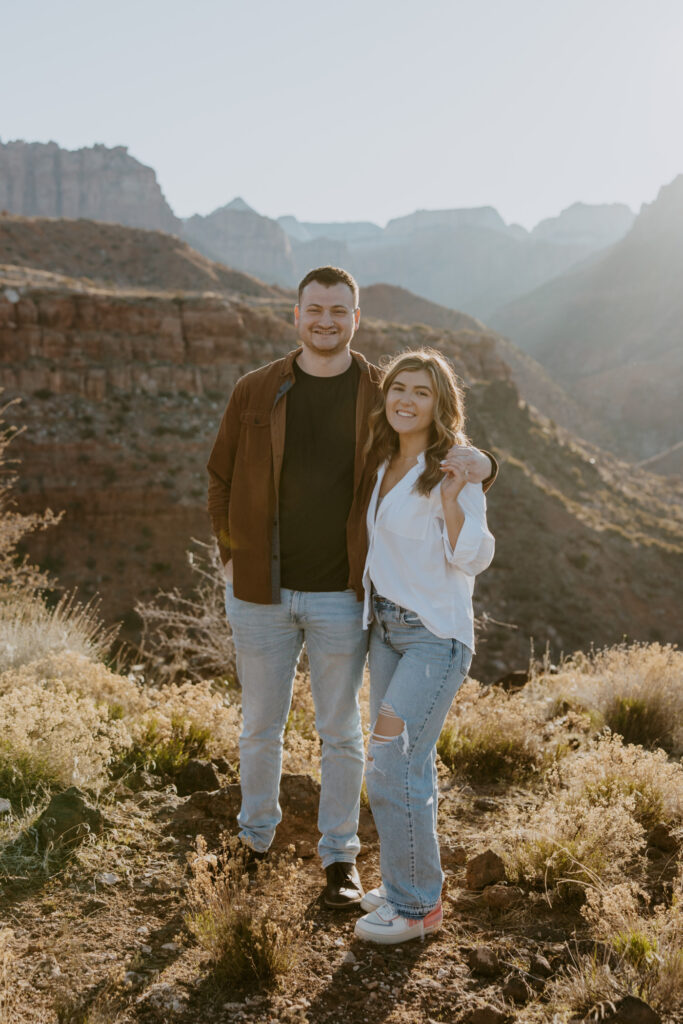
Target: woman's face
{"x":409,"y":403}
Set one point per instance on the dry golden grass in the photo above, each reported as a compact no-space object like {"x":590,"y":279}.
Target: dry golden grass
{"x":611,"y":770}
{"x":636,"y":690}
{"x":103,"y":1006}
{"x":572,"y":843}
{"x":641,"y":954}
{"x":17,"y":574}
{"x":29,"y":630}
{"x":252,"y":929}
{"x":183,"y":721}
{"x":64,"y":718}
{"x":82,"y":676}
{"x":189,"y":638}
{"x":52,"y":738}
{"x":591,"y":827}
{"x":648,"y":943}
{"x":490,"y":735}
{"x":7,"y":991}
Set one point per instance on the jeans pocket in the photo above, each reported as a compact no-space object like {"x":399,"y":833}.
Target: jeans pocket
{"x":465,"y":658}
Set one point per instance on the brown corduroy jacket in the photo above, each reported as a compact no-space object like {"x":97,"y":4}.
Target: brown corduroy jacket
{"x":244,"y":478}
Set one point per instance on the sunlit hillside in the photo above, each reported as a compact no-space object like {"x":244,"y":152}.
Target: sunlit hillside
{"x":123,"y":898}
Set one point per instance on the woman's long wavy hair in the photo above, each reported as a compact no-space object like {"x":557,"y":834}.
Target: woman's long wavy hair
{"x":448,"y":426}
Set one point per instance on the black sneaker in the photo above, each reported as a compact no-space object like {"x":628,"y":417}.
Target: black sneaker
{"x":343,"y":889}
{"x":251,"y":858}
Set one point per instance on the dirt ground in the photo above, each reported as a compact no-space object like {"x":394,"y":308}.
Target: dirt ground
{"x":103,"y":938}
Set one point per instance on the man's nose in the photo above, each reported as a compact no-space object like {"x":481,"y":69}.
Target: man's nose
{"x":326,"y":317}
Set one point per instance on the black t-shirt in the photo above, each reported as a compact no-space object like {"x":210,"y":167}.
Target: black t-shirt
{"x":316,"y":483}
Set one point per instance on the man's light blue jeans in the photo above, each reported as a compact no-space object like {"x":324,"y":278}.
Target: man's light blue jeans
{"x":414,"y":675}
{"x":268,"y":641}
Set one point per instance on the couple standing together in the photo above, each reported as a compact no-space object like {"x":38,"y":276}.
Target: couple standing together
{"x":346,"y":498}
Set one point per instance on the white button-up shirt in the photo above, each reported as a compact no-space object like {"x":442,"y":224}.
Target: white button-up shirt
{"x":412,"y":562}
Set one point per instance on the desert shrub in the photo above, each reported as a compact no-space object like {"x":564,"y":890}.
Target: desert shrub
{"x":184,"y":721}
{"x":169,"y":750}
{"x":610,"y":770}
{"x":572,"y":843}
{"x":50,"y":737}
{"x":301,"y":751}
{"x":7,"y":988}
{"x":648,"y":945}
{"x":80,"y":675}
{"x":29,"y":630}
{"x":601,"y":801}
{"x":103,"y":1005}
{"x":16,"y":574}
{"x":492,"y":735}
{"x":636,"y":690}
{"x":252,"y":934}
{"x":188,"y":637}
{"x":582,"y":992}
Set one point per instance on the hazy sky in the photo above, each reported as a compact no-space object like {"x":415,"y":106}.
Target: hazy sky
{"x":359,"y":110}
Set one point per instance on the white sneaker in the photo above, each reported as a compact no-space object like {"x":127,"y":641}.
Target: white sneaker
{"x":386,"y":927}
{"x":374,"y":898}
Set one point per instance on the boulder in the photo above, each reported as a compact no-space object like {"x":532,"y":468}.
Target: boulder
{"x":222,"y":804}
{"x":197,"y":775}
{"x":68,"y":818}
{"x":486,"y":1015}
{"x":516,"y":990}
{"x":631,"y":1010}
{"x":483,"y":961}
{"x":140,"y":780}
{"x":662,"y":838}
{"x":483,"y":870}
{"x":300,"y":795}
{"x":501,"y":897}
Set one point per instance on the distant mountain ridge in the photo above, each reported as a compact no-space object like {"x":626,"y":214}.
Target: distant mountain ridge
{"x":611,"y":331}
{"x":43,"y":180}
{"x":467,"y":259}
{"x":116,"y":256}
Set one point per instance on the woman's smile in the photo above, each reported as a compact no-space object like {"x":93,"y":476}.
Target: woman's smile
{"x":410,"y":403}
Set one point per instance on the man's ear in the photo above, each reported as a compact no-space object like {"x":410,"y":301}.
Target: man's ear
{"x":356,"y":316}
{"x":296,"y":316}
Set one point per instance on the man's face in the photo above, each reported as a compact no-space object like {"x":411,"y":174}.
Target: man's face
{"x":326,"y":318}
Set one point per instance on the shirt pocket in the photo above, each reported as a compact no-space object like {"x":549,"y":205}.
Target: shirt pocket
{"x":410,"y":518}
{"x":254,"y":445}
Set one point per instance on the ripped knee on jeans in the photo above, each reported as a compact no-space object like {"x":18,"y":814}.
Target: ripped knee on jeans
{"x":389,"y":726}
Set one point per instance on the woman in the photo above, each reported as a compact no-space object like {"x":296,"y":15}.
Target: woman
{"x":427,"y":539}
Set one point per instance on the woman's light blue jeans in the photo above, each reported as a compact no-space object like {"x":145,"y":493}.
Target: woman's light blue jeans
{"x":415,"y":675}
{"x":268,"y":641}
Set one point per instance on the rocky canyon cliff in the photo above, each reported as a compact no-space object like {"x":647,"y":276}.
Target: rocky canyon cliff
{"x":122,"y":390}
{"x":43,"y":180}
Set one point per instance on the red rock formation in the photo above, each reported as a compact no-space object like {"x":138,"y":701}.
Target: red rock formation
{"x":122,"y":395}
{"x":117,"y":256}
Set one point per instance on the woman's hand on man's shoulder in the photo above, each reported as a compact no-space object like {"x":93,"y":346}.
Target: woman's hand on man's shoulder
{"x":467,"y":461}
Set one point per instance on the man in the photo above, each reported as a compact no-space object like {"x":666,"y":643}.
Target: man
{"x":284,"y":470}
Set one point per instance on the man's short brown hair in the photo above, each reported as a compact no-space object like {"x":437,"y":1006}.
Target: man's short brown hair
{"x":329,"y":276}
